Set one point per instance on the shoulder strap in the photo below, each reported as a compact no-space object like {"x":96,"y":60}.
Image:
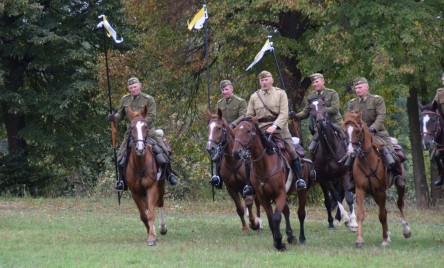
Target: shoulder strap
{"x":265,"y":106}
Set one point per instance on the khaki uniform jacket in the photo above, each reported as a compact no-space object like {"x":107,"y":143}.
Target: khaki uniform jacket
{"x":373,"y":112}
{"x":137,"y":104}
{"x":331,"y":99}
{"x":439,"y":99}
{"x":233,"y":109}
{"x":276,"y":100}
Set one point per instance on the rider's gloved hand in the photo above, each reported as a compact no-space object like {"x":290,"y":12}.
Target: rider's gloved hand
{"x":293,"y":115}
{"x":372,"y":130}
{"x":111,"y":118}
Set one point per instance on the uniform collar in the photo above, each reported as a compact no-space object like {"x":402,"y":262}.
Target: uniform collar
{"x":363,"y":99}
{"x":265,"y":93}
{"x":135,"y":97}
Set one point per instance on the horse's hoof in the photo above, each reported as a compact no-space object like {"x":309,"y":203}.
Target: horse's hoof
{"x":163,"y":229}
{"x":290,"y":239}
{"x":281,"y":248}
{"x":151,"y":243}
{"x":385,"y":243}
{"x":407,"y":235}
{"x":360,"y":244}
{"x":302,"y":241}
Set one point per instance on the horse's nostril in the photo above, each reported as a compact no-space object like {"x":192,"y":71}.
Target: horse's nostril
{"x":236,"y":155}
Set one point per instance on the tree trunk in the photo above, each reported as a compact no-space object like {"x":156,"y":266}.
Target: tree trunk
{"x":421,"y":189}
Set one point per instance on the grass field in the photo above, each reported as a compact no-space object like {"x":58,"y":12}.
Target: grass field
{"x":99,"y":233}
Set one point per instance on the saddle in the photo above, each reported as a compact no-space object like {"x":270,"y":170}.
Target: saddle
{"x":281,"y":145}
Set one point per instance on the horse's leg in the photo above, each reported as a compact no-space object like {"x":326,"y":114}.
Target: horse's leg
{"x":258,"y":213}
{"x":142,"y":206}
{"x":277,"y":237}
{"x":160,"y":202}
{"x":288,"y":230}
{"x":400,"y":203}
{"x":239,"y":208}
{"x":302,"y":202}
{"x":327,"y":202}
{"x":353,"y":224}
{"x":380,"y":199}
{"x":360,"y":195}
{"x":280,"y":201}
{"x":152,"y":201}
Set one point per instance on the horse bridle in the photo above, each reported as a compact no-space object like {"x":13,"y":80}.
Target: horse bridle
{"x":224,"y":139}
{"x":435,"y":134}
{"x":246,"y":146}
{"x":132,"y":140}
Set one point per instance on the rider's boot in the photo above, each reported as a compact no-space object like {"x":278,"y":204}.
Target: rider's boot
{"x":121,"y":183}
{"x":389,"y":160}
{"x":397,"y":175}
{"x":216,"y":181}
{"x":300,"y":183}
{"x":171,"y":177}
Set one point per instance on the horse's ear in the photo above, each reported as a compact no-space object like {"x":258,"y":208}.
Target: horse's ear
{"x":359,"y":116}
{"x":130,"y":112}
{"x":219,"y":113}
{"x":435,"y":106}
{"x":145,"y":111}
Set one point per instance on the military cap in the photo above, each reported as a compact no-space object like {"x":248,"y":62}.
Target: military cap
{"x":360,"y":80}
{"x":264,"y":74}
{"x":225,"y":83}
{"x":132,"y":80}
{"x":316,"y":76}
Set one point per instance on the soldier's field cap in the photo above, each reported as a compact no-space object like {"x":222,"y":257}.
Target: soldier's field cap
{"x":132,"y":81}
{"x":316,"y":76}
{"x":264,"y":74}
{"x":360,"y":80}
{"x":225,"y":83}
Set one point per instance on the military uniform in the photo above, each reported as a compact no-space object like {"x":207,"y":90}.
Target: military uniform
{"x":373,"y":113}
{"x":137,"y":103}
{"x":276,"y":100}
{"x":233,"y":109}
{"x":439,"y":99}
{"x":331,"y":99}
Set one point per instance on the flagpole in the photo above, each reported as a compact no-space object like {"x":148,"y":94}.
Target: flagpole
{"x":208,"y":89}
{"x":111,"y":111}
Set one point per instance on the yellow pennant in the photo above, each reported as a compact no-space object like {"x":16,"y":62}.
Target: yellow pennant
{"x":109,"y":30}
{"x":199,"y":19}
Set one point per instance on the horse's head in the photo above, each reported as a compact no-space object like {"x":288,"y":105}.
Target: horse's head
{"x":318,"y":112}
{"x":244,"y":136}
{"x":431,"y":126}
{"x":139,"y":130}
{"x":356,"y":131}
{"x":217,"y":134}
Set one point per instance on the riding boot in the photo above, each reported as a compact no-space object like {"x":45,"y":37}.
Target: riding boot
{"x":313,"y":144}
{"x":300,"y":183}
{"x":171,"y":177}
{"x":248,"y":190}
{"x":121,"y":183}
{"x":216,"y":181}
{"x":397,"y":175}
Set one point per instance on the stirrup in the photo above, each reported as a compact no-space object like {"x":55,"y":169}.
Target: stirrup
{"x":301,"y":185}
{"x":120,"y":186}
{"x":216,"y":181}
{"x":248,"y":190}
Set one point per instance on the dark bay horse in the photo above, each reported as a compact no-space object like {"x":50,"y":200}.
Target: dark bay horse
{"x":330,"y":173}
{"x":141,"y":175}
{"x":432,"y":135}
{"x":370,"y":175}
{"x":232,"y":171}
{"x":271,"y":177}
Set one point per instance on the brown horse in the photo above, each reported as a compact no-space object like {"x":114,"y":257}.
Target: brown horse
{"x":220,"y":146}
{"x":330,"y":173}
{"x":141,"y":175}
{"x":432,"y":135}
{"x":370,"y":175}
{"x":271,"y":177}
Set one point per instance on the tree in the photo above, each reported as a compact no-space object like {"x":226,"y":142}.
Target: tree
{"x":51,"y":108}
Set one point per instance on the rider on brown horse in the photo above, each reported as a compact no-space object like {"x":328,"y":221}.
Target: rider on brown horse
{"x":233,"y":110}
{"x":331,"y":99}
{"x":137,"y":101}
{"x":373,"y":113}
{"x":270,"y":105}
{"x":439,"y":99}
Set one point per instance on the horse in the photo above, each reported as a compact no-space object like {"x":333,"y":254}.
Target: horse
{"x":432,"y":135}
{"x":370,"y":175}
{"x":330,"y":172}
{"x":146,"y":189}
{"x":219,"y":147}
{"x":272,"y":178}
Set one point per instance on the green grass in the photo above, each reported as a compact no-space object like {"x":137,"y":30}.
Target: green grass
{"x":99,"y":233}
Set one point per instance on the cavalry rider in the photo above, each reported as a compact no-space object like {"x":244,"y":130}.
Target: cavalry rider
{"x":439,"y":99}
{"x":137,"y":101}
{"x":373,"y":113}
{"x":331,"y":99}
{"x":233,"y":110}
{"x":270,"y":105}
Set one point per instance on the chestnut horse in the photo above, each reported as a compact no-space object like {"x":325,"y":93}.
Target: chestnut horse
{"x":370,"y":175}
{"x":272,"y":178}
{"x":330,"y":173}
{"x":141,"y":176}
{"x":219,"y":147}
{"x":432,"y":135}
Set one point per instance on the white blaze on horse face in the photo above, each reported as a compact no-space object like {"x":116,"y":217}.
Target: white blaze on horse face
{"x":350,"y":145}
{"x":425,"y":120}
{"x":140,"y":145}
{"x":316,"y":104}
{"x":211,"y":126}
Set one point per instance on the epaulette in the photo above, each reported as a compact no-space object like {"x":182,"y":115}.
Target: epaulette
{"x":352,"y":100}
{"x":377,"y":96}
{"x":220,"y":100}
{"x":238,"y":98}
{"x":126,"y":96}
{"x":145,"y":95}
{"x":439,"y":89}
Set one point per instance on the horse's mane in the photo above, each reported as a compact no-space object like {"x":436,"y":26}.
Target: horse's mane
{"x":269,"y":146}
{"x":350,"y":118}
